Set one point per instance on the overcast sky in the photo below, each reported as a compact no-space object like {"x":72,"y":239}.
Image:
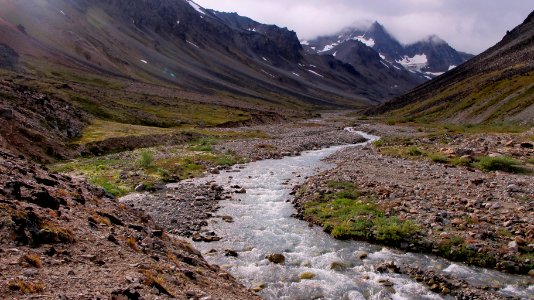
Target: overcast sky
{"x":468,"y":25}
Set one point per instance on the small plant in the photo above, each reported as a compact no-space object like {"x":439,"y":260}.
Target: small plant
{"x":458,"y":161}
{"x":393,"y":229}
{"x":147,"y":159}
{"x":438,"y":158}
{"x":32,"y":259}
{"x":205,"y":144}
{"x":414,"y":151}
{"x":132,"y":242}
{"x":25,"y":287}
{"x":501,"y":163}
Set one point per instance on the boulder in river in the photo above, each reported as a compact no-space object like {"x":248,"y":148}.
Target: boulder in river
{"x":276,"y":258}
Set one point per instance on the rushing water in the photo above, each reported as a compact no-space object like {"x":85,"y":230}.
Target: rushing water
{"x":263,"y":224}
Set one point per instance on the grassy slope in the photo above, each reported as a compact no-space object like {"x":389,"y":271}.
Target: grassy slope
{"x":495,"y":87}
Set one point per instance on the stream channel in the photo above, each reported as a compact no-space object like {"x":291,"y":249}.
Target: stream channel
{"x":263,"y":224}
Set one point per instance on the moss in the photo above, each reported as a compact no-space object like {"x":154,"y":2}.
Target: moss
{"x":347,"y":215}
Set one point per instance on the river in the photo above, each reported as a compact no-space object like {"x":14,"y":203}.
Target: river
{"x":263,"y":224}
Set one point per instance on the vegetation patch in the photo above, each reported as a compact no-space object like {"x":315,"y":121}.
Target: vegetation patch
{"x":500,"y":163}
{"x":118,"y":174}
{"x":345,"y":214}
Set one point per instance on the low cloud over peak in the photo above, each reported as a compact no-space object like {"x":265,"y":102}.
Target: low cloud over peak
{"x":470,"y":26}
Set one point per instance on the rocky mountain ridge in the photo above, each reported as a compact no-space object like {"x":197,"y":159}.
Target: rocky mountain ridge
{"x":496,"y":86}
{"x":427,"y":58}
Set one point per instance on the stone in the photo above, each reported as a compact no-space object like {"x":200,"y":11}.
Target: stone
{"x":527,"y":145}
{"x":337,"y":265}
{"x":276,"y":258}
{"x":513,"y":188}
{"x":6,"y":114}
{"x":140,"y":187}
{"x":241,"y":191}
{"x":362,"y":254}
{"x":258,"y":287}
{"x":230,"y":253}
{"x":307,"y":276}
{"x":531,"y":273}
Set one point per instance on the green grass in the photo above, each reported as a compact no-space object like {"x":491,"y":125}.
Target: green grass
{"x":438,"y":158}
{"x":501,"y":163}
{"x":147,"y":158}
{"x":347,"y":215}
{"x":119,"y":173}
{"x":414,"y":151}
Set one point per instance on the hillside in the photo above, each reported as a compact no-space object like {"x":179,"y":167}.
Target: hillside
{"x":181,"y":45}
{"x":497,"y":86}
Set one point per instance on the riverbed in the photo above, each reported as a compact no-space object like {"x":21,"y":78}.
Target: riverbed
{"x":316,"y":265}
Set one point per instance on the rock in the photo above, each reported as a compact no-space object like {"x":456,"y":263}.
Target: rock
{"x":140,"y":187}
{"x":258,"y":287}
{"x":6,"y":114}
{"x":527,"y":145}
{"x":531,"y":273}
{"x":230,"y":253}
{"x":307,"y":276}
{"x":385,"y":282}
{"x":276,"y":258}
{"x":513,"y":188}
{"x":44,"y":199}
{"x":362,"y":254}
{"x":388,"y":267}
{"x":227,"y":219}
{"x":513,"y":246}
{"x":337,"y":265}
{"x":241,"y":191}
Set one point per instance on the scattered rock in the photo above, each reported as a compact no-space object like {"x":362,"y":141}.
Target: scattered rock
{"x":307,"y":276}
{"x":276,"y":258}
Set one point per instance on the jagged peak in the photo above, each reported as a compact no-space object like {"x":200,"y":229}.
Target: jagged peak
{"x":434,"y":39}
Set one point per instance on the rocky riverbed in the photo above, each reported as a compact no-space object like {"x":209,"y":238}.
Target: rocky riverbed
{"x":465,"y":214}
{"x":184,"y":207}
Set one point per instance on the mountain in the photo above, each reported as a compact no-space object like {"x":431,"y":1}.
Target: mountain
{"x":178,"y":44}
{"x":427,"y":58}
{"x":494,"y":87}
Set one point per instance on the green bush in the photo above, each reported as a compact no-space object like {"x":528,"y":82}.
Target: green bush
{"x":393,"y":230}
{"x":147,"y":158}
{"x":501,"y":163}
{"x":414,"y":151}
{"x":439,"y":158}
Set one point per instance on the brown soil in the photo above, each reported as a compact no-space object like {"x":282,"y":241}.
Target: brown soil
{"x":61,"y":238}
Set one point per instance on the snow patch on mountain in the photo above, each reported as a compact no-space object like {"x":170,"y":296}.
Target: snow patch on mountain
{"x":451,"y":67}
{"x":191,"y":43}
{"x":329,"y":47}
{"x":415,"y":63}
{"x":368,"y":42}
{"x":306,"y":43}
{"x":315,"y":73}
{"x":196,"y":7}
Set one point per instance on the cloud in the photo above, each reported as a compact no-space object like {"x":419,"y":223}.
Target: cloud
{"x":468,"y":25}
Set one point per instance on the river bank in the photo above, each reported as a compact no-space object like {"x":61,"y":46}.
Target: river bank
{"x":457,"y":212}
{"x":225,"y":212}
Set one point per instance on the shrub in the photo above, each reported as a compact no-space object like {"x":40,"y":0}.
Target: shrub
{"x":147,"y":158}
{"x":439,"y":158}
{"x":31,"y":259}
{"x":393,"y":229}
{"x":501,"y":163}
{"x":25,"y":287}
{"x":414,"y":151}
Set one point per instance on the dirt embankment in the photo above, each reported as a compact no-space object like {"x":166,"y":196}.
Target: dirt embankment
{"x":61,"y":238}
